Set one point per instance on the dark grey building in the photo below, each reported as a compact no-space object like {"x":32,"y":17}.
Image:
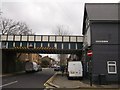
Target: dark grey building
{"x":100,"y":30}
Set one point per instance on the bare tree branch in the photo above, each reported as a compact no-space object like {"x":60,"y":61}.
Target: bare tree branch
{"x":62,"y":30}
{"x":9,"y":26}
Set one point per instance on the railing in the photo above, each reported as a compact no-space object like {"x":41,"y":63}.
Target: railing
{"x":42,"y":38}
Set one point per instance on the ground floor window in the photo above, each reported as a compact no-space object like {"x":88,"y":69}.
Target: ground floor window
{"x":111,"y":67}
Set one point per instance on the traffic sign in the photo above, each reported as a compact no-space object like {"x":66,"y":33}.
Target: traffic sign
{"x":89,"y":53}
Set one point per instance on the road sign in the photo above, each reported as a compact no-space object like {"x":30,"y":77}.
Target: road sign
{"x":89,"y":53}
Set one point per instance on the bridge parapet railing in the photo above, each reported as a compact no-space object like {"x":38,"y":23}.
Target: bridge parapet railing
{"x":42,"y":38}
{"x":38,"y":41}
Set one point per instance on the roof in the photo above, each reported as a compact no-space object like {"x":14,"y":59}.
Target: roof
{"x":102,"y":11}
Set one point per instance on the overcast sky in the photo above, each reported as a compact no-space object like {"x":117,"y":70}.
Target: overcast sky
{"x":42,"y":16}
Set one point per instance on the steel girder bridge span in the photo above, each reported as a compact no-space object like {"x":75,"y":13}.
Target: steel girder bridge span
{"x":45,"y":44}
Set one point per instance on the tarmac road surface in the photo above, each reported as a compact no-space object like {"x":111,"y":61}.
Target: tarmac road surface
{"x":27,"y":80}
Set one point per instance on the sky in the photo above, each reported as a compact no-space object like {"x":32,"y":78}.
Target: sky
{"x":43,"y":16}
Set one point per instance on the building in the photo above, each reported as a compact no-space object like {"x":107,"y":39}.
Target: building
{"x":100,"y":30}
{"x":29,"y":57}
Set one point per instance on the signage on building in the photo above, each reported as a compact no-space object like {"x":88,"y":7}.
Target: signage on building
{"x":101,"y":41}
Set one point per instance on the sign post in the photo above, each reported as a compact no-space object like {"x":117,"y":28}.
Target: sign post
{"x":89,"y":54}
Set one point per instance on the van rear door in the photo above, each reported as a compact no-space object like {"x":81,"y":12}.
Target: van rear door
{"x":75,"y":69}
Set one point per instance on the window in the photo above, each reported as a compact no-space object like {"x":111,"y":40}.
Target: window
{"x":112,"y":67}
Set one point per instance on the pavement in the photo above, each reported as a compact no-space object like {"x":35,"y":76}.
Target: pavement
{"x":59,"y":81}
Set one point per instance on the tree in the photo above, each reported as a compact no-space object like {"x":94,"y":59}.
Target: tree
{"x":11,"y":27}
{"x":45,"y":61}
{"x":62,"y":30}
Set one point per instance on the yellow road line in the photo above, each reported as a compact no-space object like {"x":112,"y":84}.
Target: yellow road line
{"x":49,"y":84}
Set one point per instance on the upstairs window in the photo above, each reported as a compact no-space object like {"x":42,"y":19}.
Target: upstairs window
{"x":112,"y":67}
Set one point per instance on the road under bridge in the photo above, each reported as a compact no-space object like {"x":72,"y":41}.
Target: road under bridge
{"x":41,"y":44}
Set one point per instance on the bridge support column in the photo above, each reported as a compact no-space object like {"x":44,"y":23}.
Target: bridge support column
{"x":10,"y":63}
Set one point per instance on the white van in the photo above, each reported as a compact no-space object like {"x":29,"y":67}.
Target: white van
{"x":75,"y":69}
{"x":32,"y":66}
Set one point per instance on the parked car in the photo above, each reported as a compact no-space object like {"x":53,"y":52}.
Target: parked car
{"x":57,"y":68}
{"x":53,"y":66}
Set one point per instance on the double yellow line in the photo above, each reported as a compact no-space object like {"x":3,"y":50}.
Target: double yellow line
{"x":49,"y":84}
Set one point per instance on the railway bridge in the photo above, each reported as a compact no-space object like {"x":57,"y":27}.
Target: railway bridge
{"x":41,"y":44}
